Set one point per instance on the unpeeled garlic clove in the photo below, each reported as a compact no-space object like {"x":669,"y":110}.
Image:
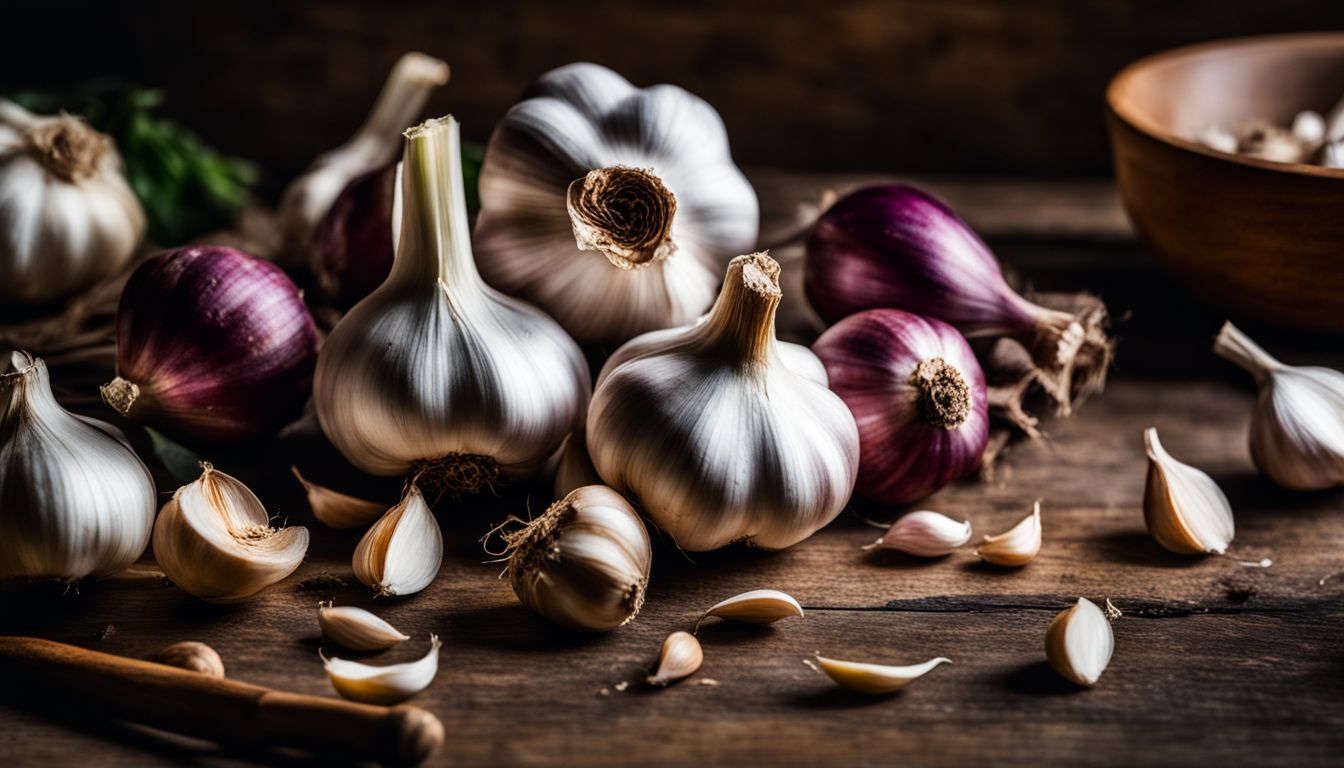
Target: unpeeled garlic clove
{"x":214,"y":539}
{"x":356,"y":628}
{"x":680,"y":658}
{"x":383,"y":685}
{"x":1184,"y":508}
{"x":759,"y":606}
{"x":401,"y":553}
{"x":338,"y":510}
{"x":192,"y":656}
{"x":1015,"y":546}
{"x":924,"y":533}
{"x":1079,"y":642}
{"x":876,"y":679}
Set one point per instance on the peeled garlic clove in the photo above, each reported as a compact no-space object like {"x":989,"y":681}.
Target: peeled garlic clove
{"x":759,"y":606}
{"x":1079,"y":642}
{"x":1184,"y":508}
{"x":401,"y":553}
{"x":338,"y":510}
{"x":356,"y":628}
{"x":680,"y":658}
{"x":383,"y":685}
{"x":193,"y":656}
{"x":214,"y":539}
{"x":876,"y":679}
{"x":925,"y":534}
{"x":1015,"y":546}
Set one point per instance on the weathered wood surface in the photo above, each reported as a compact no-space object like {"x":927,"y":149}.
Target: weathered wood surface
{"x":1216,"y":662}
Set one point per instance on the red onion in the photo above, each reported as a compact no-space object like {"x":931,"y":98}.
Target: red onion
{"x":352,"y":248}
{"x":896,"y":246}
{"x":212,"y":345}
{"x":918,"y":396}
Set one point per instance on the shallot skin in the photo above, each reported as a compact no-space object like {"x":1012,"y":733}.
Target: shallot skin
{"x":920,"y":426}
{"x":219,"y":344}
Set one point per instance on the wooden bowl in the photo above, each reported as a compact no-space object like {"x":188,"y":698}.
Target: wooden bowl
{"x":1255,"y":237}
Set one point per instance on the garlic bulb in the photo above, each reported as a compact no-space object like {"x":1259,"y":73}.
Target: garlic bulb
{"x":67,"y":216}
{"x":719,"y":438}
{"x":214,"y":539}
{"x":383,"y":685}
{"x":402,"y":552}
{"x":1184,"y":508}
{"x":75,"y":500}
{"x":1079,"y":642}
{"x":924,"y":533}
{"x":875,"y":679}
{"x":308,"y":198}
{"x":435,"y":369}
{"x":1016,"y":546}
{"x":356,"y":628}
{"x":759,"y":606}
{"x":614,"y":209}
{"x":1297,"y":427}
{"x":680,"y":657}
{"x":585,"y":563}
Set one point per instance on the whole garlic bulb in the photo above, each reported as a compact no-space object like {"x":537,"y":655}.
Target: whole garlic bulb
{"x":436,"y":369}
{"x":75,"y":500}
{"x":67,"y":216}
{"x":1297,"y":427}
{"x":615,"y":209}
{"x":717,"y":435}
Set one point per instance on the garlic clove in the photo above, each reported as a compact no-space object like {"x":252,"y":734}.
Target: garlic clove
{"x":759,"y":606}
{"x":575,"y":469}
{"x":1184,"y":508}
{"x":193,"y":656}
{"x":383,"y":685}
{"x":1015,"y":546}
{"x":356,"y":628}
{"x":1079,"y":643}
{"x":214,"y":540}
{"x":401,"y":553}
{"x":338,"y":510}
{"x":680,"y":658}
{"x":875,"y":679}
{"x":924,"y":533}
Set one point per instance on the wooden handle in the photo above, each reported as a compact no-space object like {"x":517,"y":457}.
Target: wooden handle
{"x":224,"y":711}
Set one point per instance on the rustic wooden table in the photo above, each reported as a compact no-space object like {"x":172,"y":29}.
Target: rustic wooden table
{"x":1216,"y":662}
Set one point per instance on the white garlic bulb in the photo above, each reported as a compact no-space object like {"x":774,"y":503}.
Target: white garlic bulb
{"x":585,"y":562}
{"x":1185,"y":510}
{"x":435,"y":369}
{"x":214,"y":539}
{"x":1297,"y":427}
{"x":75,"y":500}
{"x":67,"y":216}
{"x":717,"y":437}
{"x":614,"y":209}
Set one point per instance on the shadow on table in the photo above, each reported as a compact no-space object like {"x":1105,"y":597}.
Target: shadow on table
{"x":1040,"y":679}
{"x":840,"y":698}
{"x":514,"y":628}
{"x":1139,"y":548}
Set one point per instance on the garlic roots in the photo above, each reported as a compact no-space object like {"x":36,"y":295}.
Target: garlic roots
{"x":716,"y":435}
{"x":1184,"y":508}
{"x":1016,"y":546}
{"x":356,"y":628}
{"x":214,"y":539}
{"x":383,"y":685}
{"x":338,"y":510}
{"x":75,"y":500}
{"x":680,"y":657}
{"x":875,"y":679}
{"x":436,"y":370}
{"x":759,"y":606}
{"x":614,"y":209}
{"x":1079,"y":642}
{"x":402,"y":552}
{"x":585,"y":562}
{"x":924,"y":533}
{"x":1297,"y":427}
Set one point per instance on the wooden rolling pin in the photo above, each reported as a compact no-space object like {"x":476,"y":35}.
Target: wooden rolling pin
{"x":224,"y":711}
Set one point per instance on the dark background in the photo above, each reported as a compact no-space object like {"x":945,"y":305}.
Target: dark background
{"x":941,"y":86}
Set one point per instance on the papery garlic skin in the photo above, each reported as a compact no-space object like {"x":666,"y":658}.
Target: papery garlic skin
{"x":214,"y":540}
{"x":1184,"y":508}
{"x":1079,"y":643}
{"x":614,"y":209}
{"x":719,"y":439}
{"x":924,"y":533}
{"x":383,"y":685}
{"x":67,"y":216}
{"x":1297,"y":427}
{"x":402,"y":552}
{"x":75,"y":500}
{"x":437,"y":368}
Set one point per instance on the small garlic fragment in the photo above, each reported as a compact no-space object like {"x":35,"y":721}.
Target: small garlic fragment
{"x":1219,"y":138}
{"x":1079,"y":642}
{"x":338,"y":510}
{"x":356,"y":628}
{"x":383,"y":685}
{"x":193,"y":656}
{"x":759,"y":606}
{"x":401,"y":553}
{"x":1309,"y":127}
{"x":924,"y":533}
{"x":875,"y":679}
{"x":1017,"y":545}
{"x":680,"y":657}
{"x":1184,"y":508}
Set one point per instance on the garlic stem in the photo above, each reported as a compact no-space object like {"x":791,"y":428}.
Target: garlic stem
{"x":1237,"y":347}
{"x":435,"y":239}
{"x":742,"y":320}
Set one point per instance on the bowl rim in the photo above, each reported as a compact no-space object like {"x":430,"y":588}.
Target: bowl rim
{"x":1121,"y":81}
